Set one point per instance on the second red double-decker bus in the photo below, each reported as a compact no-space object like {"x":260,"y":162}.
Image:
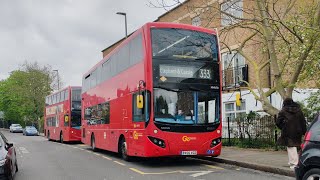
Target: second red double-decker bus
{"x":157,"y":94}
{"x":63,"y":115}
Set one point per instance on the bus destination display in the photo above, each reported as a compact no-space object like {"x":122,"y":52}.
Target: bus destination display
{"x":185,"y":72}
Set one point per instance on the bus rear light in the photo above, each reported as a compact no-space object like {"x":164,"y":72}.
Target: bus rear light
{"x":308,"y":136}
{"x":303,"y":145}
{"x":306,"y":140}
{"x":215,"y":142}
{"x":157,"y":141}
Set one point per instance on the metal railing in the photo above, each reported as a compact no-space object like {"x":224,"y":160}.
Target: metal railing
{"x":259,"y":132}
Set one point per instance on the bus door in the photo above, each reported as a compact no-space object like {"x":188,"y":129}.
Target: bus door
{"x":138,"y":123}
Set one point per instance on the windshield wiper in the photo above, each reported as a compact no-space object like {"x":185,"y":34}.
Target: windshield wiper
{"x":196,"y":89}
{"x":162,"y":57}
{"x":181,"y":90}
{"x":167,"y":89}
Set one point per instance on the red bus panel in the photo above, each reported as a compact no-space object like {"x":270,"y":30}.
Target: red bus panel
{"x":157,"y":94}
{"x":63,"y":115}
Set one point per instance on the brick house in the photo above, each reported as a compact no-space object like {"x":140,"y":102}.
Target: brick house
{"x":235,"y":66}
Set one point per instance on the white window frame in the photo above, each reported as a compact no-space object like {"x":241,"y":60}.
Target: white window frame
{"x":234,"y":60}
{"x":236,"y":110}
{"x":234,"y":8}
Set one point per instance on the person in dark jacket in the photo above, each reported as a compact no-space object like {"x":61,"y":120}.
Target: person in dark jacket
{"x":292,"y":123}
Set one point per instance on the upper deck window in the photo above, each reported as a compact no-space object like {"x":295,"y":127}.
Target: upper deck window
{"x":174,"y":43}
{"x":125,"y":57}
{"x":76,"y":99}
{"x":76,"y":94}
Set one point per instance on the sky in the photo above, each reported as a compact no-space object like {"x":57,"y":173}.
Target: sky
{"x":68,"y":35}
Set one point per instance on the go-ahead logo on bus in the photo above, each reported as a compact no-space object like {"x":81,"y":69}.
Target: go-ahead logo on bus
{"x":136,"y":135}
{"x":187,"y":139}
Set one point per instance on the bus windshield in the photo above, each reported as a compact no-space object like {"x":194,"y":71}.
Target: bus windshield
{"x":76,"y":99}
{"x":186,"y":107}
{"x":76,"y":94}
{"x":76,"y":119}
{"x":186,"y":44}
{"x":76,"y":105}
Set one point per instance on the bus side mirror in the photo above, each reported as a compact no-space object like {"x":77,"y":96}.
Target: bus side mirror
{"x":8,"y":146}
{"x":66,"y":118}
{"x":139,"y":101}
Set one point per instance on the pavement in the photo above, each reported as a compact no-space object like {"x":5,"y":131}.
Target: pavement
{"x":263,"y":160}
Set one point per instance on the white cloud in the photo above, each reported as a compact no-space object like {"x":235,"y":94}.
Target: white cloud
{"x":68,"y":35}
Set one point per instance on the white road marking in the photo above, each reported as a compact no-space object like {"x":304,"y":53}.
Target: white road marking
{"x":196,"y":173}
{"x":97,"y":154}
{"x":200,"y":173}
{"x":23,"y":150}
{"x":107,"y":158}
{"x":19,"y":153}
{"x":192,"y":173}
{"x":119,"y":163}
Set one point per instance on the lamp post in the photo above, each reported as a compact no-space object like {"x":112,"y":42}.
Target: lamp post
{"x":125,"y":18}
{"x":57,"y":78}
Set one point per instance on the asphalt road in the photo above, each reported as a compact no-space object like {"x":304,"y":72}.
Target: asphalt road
{"x":47,"y":160}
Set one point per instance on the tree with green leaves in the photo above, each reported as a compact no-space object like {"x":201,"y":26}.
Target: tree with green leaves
{"x":23,"y":93}
{"x":312,"y":109}
{"x":279,"y":39}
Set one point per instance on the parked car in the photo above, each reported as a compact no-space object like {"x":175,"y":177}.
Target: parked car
{"x":309,"y":160}
{"x":16,"y":128}
{"x":8,"y":159}
{"x":30,"y":131}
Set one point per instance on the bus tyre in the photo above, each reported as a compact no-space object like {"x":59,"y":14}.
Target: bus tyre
{"x":48,"y":135}
{"x":124,"y":150}
{"x":17,"y":168}
{"x":61,"y":137}
{"x":93,"y":143}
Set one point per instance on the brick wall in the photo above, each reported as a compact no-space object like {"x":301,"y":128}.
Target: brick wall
{"x":206,"y":9}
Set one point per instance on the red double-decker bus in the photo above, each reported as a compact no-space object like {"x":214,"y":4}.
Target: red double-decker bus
{"x":157,"y":94}
{"x":63,"y":115}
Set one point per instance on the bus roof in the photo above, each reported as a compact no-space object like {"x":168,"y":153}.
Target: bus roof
{"x":179,"y":25}
{"x":64,"y":89}
{"x":148,"y":26}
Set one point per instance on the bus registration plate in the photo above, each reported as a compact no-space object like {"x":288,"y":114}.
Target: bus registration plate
{"x":188,"y":153}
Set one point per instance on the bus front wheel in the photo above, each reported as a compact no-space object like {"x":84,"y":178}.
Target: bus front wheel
{"x":48,"y":135}
{"x":124,"y":150}
{"x":61,"y":137}
{"x":93,"y":143}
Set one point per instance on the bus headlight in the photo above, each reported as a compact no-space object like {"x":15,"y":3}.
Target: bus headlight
{"x":157,"y":141}
{"x":215,"y":142}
